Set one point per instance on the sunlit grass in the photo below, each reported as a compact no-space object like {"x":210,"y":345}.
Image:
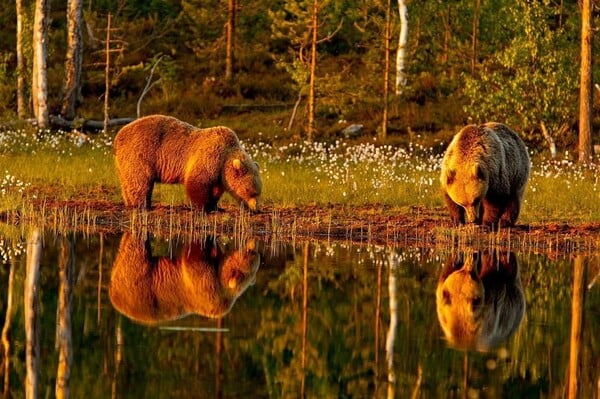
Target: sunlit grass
{"x":73,"y":166}
{"x":340,"y":173}
{"x":562,"y":191}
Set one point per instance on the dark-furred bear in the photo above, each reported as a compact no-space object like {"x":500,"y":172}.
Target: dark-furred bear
{"x":479,"y":299}
{"x":203,"y":279}
{"x":484,"y":174}
{"x":162,"y":149}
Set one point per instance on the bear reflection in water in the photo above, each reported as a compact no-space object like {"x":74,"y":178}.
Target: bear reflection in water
{"x":479,"y":299}
{"x":202,"y":280}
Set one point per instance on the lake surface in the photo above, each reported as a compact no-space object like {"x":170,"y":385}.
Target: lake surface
{"x":124,"y":316}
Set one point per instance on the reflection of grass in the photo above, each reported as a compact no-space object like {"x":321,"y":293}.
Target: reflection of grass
{"x":71,"y":166}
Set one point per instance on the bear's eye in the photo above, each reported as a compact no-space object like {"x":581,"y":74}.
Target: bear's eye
{"x":446,"y":298}
{"x":475,"y":302}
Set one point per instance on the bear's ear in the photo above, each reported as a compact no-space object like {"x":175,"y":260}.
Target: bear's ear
{"x":450,"y":176}
{"x":237,"y":164}
{"x":238,"y":167}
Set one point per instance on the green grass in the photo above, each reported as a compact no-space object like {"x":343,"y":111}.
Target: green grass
{"x":63,"y":166}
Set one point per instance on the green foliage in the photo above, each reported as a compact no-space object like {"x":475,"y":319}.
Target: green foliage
{"x":533,"y":79}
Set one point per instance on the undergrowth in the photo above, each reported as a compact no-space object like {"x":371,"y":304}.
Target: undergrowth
{"x":67,"y":166}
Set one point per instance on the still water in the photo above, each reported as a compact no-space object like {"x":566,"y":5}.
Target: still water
{"x":123,"y":316}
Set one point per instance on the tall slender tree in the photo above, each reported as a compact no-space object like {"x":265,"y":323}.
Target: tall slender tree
{"x":73,"y":60}
{"x":585,"y":84}
{"x":21,"y":103}
{"x":386,"y":69}
{"x":313,"y":71}
{"x":229,"y":51}
{"x":475,"y":35}
{"x":40,"y":59}
{"x":401,"y":54}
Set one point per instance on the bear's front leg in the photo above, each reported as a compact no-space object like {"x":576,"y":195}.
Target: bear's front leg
{"x":137,"y":190}
{"x":457,"y":212}
{"x":204,"y":195}
{"x":511,"y":214}
{"x":491,"y":214}
{"x":216,"y":193}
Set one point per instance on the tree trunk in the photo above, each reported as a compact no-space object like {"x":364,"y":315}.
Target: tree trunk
{"x":40,"y":59}
{"x":313,"y":68}
{"x":72,"y":88}
{"x":476,"y":9}
{"x":585,"y":85}
{"x":107,"y":76}
{"x":21,"y":71}
{"x":447,"y":22}
{"x":230,"y":39}
{"x":401,"y":54}
{"x":386,"y":70}
{"x":549,"y":139}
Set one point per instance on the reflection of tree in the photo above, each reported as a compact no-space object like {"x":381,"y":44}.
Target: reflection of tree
{"x":32,"y":337}
{"x":576,"y":325}
{"x":63,"y":318}
{"x":391,"y":333}
{"x":7,"y":326}
{"x":304,"y":316}
{"x":118,"y":357}
{"x":377,"y":324}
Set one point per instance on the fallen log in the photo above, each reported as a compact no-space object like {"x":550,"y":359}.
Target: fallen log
{"x":80,"y":123}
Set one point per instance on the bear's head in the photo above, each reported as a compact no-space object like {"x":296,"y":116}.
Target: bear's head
{"x":241,"y":178}
{"x":479,"y":299}
{"x":234,"y":271}
{"x":460,"y":297}
{"x":465,"y":177}
{"x":238,"y":270}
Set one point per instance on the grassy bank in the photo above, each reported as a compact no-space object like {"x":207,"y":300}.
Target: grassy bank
{"x":67,"y":166}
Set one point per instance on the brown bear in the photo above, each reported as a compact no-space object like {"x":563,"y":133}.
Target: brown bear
{"x":484,"y":173}
{"x":162,"y":149}
{"x":479,"y":299}
{"x":203,"y":280}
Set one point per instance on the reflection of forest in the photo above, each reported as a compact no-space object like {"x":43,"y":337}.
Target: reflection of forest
{"x":335,"y":297}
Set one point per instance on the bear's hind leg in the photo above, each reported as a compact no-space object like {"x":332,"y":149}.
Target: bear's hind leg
{"x":511,"y":214}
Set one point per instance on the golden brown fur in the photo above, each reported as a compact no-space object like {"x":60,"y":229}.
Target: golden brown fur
{"x":162,"y":149}
{"x":479,"y":299}
{"x":201,"y":280}
{"x":484,"y":173}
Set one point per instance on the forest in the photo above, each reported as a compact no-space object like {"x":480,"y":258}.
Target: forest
{"x":248,"y":64}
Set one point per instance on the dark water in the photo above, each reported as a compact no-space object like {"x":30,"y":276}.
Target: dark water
{"x":311,"y":319}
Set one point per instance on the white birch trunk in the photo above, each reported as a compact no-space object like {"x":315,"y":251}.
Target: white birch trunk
{"x":73,"y":58}
{"x":40,"y":56}
{"x":401,"y":54}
